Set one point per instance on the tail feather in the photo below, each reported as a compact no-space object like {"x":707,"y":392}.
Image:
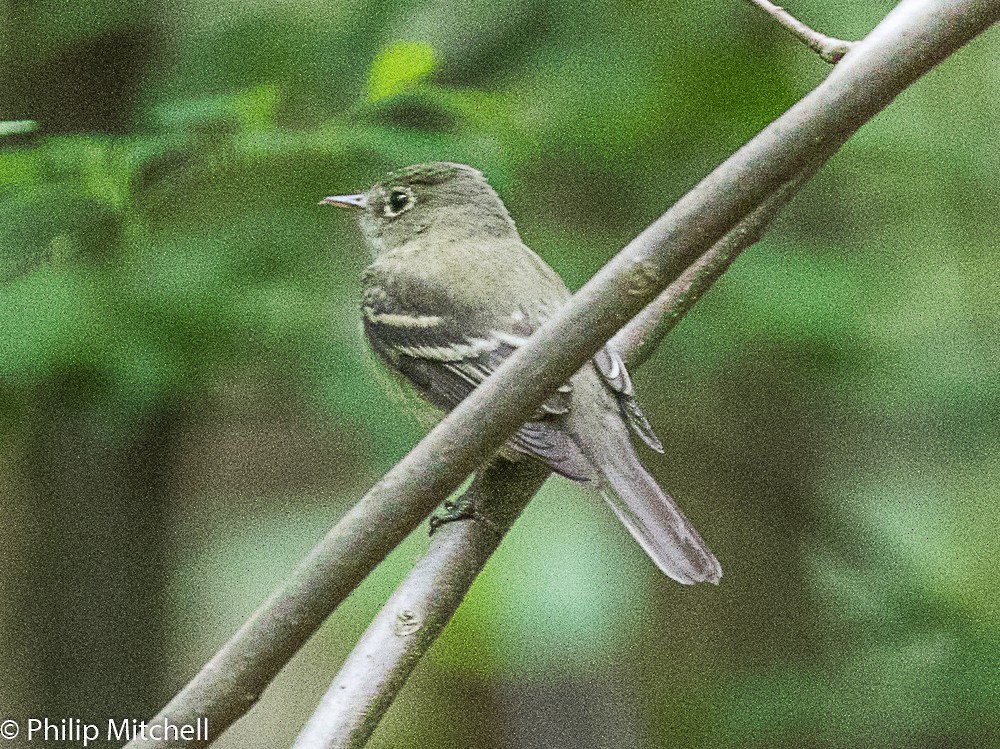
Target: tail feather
{"x":656,"y":522}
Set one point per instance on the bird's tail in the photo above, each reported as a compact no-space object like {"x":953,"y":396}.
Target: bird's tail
{"x":654,"y":519}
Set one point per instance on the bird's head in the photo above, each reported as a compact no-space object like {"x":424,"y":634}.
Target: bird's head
{"x":447,"y":201}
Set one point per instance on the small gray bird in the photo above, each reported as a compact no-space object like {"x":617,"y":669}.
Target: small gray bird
{"x":453,"y":291}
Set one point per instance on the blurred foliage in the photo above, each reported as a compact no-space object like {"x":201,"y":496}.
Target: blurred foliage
{"x":399,"y":67}
{"x":831,"y":408}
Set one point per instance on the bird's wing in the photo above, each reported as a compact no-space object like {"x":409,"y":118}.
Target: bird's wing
{"x":445,"y":359}
{"x":615,"y":376}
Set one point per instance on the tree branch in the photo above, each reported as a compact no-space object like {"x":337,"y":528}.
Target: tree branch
{"x":637,"y":340}
{"x":413,"y":618}
{"x":911,"y":40}
{"x":378,"y":667}
{"x":829,"y":48}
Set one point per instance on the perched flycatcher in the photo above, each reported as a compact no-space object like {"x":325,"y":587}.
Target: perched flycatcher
{"x":453,"y":291}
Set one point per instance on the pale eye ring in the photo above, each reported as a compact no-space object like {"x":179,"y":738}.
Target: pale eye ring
{"x":399,"y":200}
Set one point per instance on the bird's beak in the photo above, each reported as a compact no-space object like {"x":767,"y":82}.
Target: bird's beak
{"x":346,"y":201}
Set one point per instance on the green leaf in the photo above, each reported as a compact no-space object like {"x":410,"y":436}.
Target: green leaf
{"x":399,"y":67}
{"x":46,"y":318}
{"x":19,"y":167}
{"x":251,"y":110}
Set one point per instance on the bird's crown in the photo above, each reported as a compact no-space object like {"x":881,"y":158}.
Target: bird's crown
{"x":435,"y":173}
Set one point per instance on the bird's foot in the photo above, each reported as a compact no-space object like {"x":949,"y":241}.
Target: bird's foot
{"x":463,"y":508}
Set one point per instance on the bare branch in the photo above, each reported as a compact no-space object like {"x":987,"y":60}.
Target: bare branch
{"x":829,"y":48}
{"x":417,"y":612}
{"x":911,"y":40}
{"x":637,"y":340}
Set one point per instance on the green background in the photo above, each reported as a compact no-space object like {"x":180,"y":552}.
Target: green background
{"x":186,"y":404}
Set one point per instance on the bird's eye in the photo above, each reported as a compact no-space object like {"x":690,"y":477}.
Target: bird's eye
{"x":399,"y":201}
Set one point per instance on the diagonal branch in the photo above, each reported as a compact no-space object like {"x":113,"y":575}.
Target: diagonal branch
{"x":637,"y":340}
{"x":378,"y":667}
{"x":830,"y":49}
{"x":415,"y":615}
{"x":912,"y":39}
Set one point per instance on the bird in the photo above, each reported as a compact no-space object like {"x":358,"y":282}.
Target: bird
{"x":452,"y":291}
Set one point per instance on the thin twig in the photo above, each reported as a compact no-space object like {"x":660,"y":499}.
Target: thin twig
{"x":912,"y":39}
{"x":377,"y":668}
{"x":17,"y":127}
{"x":829,"y":48}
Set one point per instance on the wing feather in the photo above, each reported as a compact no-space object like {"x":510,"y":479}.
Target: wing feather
{"x":445,"y":364}
{"x":616,"y":377}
